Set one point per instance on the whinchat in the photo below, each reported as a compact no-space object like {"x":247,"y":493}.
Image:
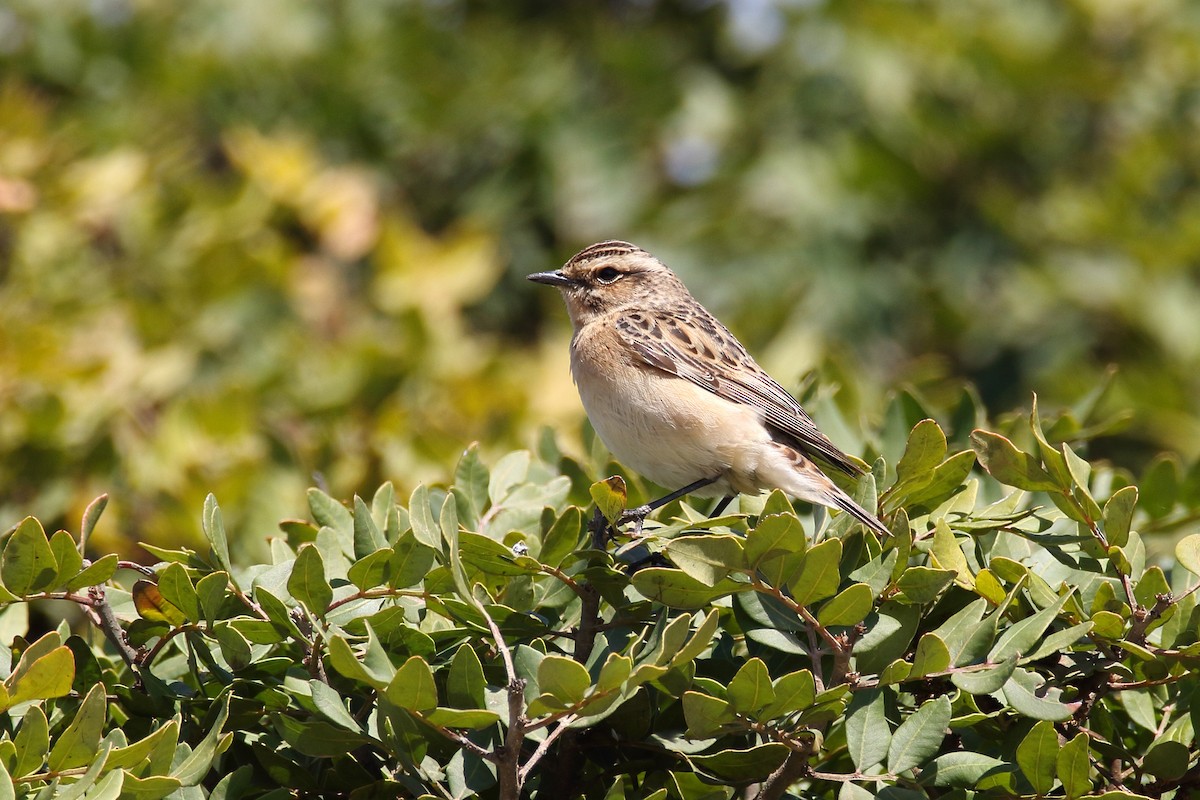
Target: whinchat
{"x":676,"y":397}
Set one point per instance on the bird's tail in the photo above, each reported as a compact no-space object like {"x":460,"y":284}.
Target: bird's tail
{"x":843,"y":501}
{"x":800,"y":477}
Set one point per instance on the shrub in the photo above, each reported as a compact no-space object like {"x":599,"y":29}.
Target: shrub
{"x":1012,"y":638}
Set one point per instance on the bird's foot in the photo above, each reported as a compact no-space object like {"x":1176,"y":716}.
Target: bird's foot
{"x":637,"y":516}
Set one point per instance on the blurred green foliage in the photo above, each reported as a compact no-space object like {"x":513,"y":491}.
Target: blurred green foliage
{"x":242,"y":243}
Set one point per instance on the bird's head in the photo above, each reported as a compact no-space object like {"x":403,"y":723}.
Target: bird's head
{"x":611,"y":275}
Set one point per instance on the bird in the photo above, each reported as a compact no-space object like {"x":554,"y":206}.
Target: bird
{"x":677,"y":398}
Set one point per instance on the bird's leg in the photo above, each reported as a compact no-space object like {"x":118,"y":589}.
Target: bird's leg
{"x":638,"y":515}
{"x":721,"y":506}
{"x":600,"y":530}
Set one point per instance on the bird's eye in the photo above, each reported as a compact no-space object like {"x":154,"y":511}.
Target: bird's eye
{"x":608,"y":274}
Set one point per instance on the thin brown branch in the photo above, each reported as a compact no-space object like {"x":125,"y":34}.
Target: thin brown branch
{"x":544,"y":747}
{"x":509,"y":756}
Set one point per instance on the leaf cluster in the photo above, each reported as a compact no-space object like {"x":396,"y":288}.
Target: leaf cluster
{"x":1011,"y":638}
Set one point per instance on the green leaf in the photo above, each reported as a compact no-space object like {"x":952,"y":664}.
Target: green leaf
{"x":946,"y":479}
{"x":1009,"y":465}
{"x":563,"y":678}
{"x":342,"y":658}
{"x":946,"y":554}
{"x":705,"y":714}
{"x":794,"y":692}
{"x":932,"y":656}
{"x":563,"y":538}
{"x":849,"y":607}
{"x":235,"y":649}
{"x":819,"y":576}
{"x":197,"y":764}
{"x":100,"y":571}
{"x":1022,"y":636}
{"x":963,"y":770}
{"x":412,"y":688}
{"x":31,"y":743}
{"x":615,"y":671}
{"x":448,"y":524}
{"x":1187,"y":553}
{"x":1025,"y":691}
{"x":1073,"y":766}
{"x":470,"y":719}
{"x":1059,"y":641}
{"x":1160,"y":485}
{"x":708,"y":558}
{"x":677,"y":589}
{"x":465,"y":683}
{"x":91,"y":517}
{"x":329,"y":704}
{"x":307,"y":582}
{"x":329,"y":512}
{"x":1037,"y":754}
{"x":923,"y":584}
{"x":420,"y":516}
{"x":176,"y":588}
{"x":1167,"y":760}
{"x":28,"y":564}
{"x":367,"y":536}
{"x":78,"y":745}
{"x":850,"y":791}
{"x":985,"y":681}
{"x":150,"y":603}
{"x":1108,"y":625}
{"x":211,"y":590}
{"x":1056,"y":465}
{"x":489,"y":556}
{"x":925,"y":449}
{"x":750,"y":689}
{"x":700,"y":640}
{"x":40,"y":675}
{"x":895,"y":672}
{"x":739,"y":766}
{"x":471,"y":480}
{"x":384,"y":511}
{"x":411,"y":561}
{"x":510,"y":471}
{"x":214,"y":530}
{"x":143,"y":750}
{"x":1118,"y":514}
{"x":920,"y":736}
{"x":889,"y":632}
{"x":868,"y":735}
{"x":277,"y":612}
{"x":610,"y":496}
{"x":877,"y":573}
{"x":775,"y":535}
{"x":372,"y":570}
{"x":66,"y":555}
{"x":318,"y":739}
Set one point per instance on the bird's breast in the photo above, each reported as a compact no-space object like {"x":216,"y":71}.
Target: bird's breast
{"x":661,"y":426}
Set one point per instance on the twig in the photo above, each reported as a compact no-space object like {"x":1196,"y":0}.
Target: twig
{"x":148,"y":658}
{"x":459,"y":739}
{"x":509,"y":761}
{"x":544,"y":747}
{"x":111,"y":626}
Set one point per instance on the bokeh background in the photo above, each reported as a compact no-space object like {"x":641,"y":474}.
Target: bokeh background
{"x":246,"y":246}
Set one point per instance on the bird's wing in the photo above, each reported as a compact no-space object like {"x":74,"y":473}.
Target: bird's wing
{"x":693,"y":345}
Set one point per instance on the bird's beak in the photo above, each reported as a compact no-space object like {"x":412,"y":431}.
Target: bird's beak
{"x":555,"y":278}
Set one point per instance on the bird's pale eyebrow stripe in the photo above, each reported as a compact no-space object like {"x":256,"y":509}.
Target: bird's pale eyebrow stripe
{"x":603,"y":250}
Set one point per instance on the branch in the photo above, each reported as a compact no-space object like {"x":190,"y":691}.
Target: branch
{"x":544,"y":747}
{"x":509,"y":755}
{"x":108,"y":623}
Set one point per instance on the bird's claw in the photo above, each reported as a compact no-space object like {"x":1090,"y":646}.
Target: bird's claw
{"x":637,"y":516}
